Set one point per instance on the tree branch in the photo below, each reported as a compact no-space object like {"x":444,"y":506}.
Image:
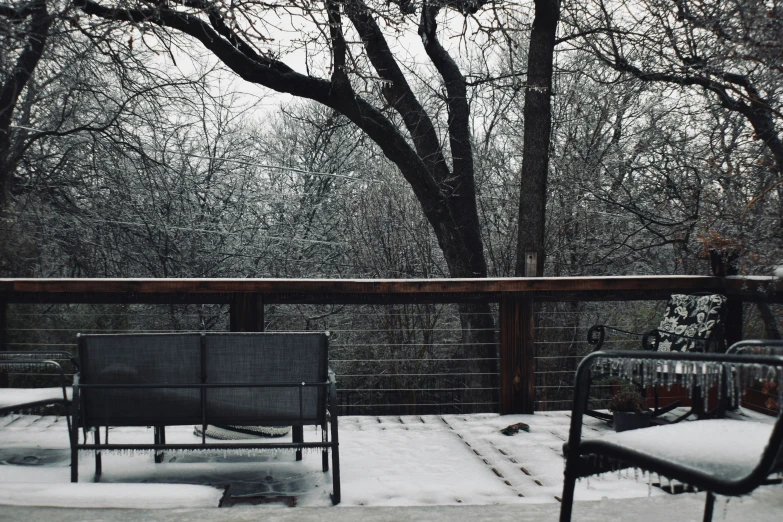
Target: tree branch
{"x":456,"y":91}
{"x":397,"y":91}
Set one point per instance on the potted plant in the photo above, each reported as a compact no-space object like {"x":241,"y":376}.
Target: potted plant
{"x":629,"y":411}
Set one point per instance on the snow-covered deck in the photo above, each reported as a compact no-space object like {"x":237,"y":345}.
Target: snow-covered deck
{"x":431,"y":462}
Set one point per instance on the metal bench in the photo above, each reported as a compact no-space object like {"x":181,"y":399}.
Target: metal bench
{"x":241,"y":379}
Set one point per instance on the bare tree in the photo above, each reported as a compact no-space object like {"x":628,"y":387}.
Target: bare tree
{"x":24,"y":30}
{"x":730,"y":50}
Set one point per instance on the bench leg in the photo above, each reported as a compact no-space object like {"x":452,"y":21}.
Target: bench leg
{"x":335,"y":463}
{"x":325,"y":451}
{"x":74,"y":451}
{"x":160,"y":438}
{"x":98,"y":461}
{"x":297,"y":435}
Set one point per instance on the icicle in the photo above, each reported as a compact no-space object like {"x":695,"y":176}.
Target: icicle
{"x":649,"y":484}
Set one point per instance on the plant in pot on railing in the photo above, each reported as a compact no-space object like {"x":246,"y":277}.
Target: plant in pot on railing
{"x":629,"y":411}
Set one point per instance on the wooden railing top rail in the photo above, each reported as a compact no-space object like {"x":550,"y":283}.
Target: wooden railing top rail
{"x":383,"y":290}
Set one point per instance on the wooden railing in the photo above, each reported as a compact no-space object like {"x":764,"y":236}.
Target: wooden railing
{"x":516,"y":296}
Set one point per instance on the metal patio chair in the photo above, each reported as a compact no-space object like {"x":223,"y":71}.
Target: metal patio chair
{"x":14,"y":400}
{"x":704,"y":454}
{"x":690,"y":323}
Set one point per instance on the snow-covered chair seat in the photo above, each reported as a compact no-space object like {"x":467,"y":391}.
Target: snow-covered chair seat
{"x":719,"y":456}
{"x":724,"y":448}
{"x":239,"y":379}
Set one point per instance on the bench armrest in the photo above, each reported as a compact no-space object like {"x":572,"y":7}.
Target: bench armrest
{"x":652,"y":338}
{"x":771,"y":347}
{"x":597,"y":334}
{"x":332,"y":403}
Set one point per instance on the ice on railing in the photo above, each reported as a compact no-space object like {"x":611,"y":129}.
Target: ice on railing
{"x":241,"y":452}
{"x":31,"y":355}
{"x":23,"y":366}
{"x":701,"y":375}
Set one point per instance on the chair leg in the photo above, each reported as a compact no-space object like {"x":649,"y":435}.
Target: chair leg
{"x":98,"y":461}
{"x":709,"y":505}
{"x":567,"y":502}
{"x":74,"y":450}
{"x":297,"y":436}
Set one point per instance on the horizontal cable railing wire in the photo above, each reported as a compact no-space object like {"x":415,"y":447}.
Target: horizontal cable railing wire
{"x":390,"y":359}
{"x":402,"y":359}
{"x":561,"y":343}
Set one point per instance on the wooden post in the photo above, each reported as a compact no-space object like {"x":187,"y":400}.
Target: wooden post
{"x":517,"y":377}
{"x":246,"y":313}
{"x":3,"y":340}
{"x":726,"y":265}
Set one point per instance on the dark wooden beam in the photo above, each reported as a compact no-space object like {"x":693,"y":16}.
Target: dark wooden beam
{"x":3,"y":340}
{"x":381,"y":291}
{"x":246,"y":313}
{"x":517,"y":355}
{"x":528,"y":363}
{"x":510,"y":354}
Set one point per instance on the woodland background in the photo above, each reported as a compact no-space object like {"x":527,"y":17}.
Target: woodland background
{"x":395,"y":139}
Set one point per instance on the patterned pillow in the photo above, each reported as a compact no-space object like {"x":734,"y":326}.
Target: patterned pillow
{"x":692,"y":316}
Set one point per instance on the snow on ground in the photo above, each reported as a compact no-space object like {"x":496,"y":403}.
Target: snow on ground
{"x":428,"y":460}
{"x":154,"y":496}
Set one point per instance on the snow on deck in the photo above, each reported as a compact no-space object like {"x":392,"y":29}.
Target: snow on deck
{"x":428,"y":460}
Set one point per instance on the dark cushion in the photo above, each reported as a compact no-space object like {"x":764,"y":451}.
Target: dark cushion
{"x":691,"y":316}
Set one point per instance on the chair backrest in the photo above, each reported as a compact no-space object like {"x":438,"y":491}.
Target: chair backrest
{"x":193,"y":359}
{"x":268,"y":358}
{"x":699,"y":316}
{"x":140,"y":359}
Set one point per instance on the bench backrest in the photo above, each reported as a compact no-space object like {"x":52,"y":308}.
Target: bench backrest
{"x":269,"y":358}
{"x":213,"y":358}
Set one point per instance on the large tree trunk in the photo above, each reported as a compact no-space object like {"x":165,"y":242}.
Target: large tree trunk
{"x":538,"y":127}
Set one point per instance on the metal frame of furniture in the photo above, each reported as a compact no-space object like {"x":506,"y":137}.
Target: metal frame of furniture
{"x":595,"y":456}
{"x":650,"y":341}
{"x":168,"y":379}
{"x":37,"y":360}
